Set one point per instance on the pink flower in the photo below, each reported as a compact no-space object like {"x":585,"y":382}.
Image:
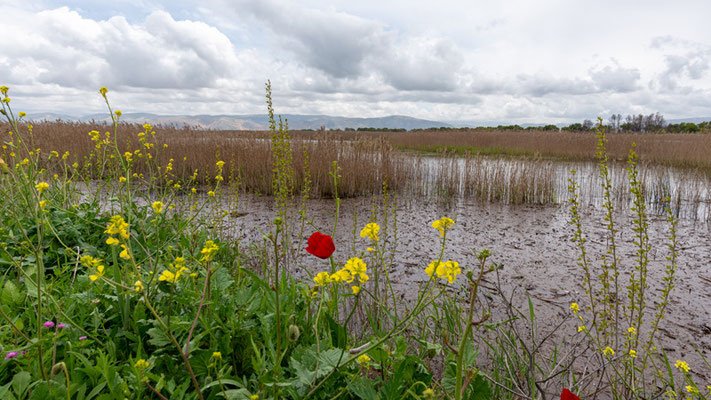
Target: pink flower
{"x":61,"y":326}
{"x":49,"y":324}
{"x":10,"y":355}
{"x":82,"y":337}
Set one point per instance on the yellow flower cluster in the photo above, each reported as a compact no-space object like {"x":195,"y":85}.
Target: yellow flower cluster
{"x":355,"y":268}
{"x":42,"y":186}
{"x":682,"y":366}
{"x":95,"y":264}
{"x":124,"y":253}
{"x":363,"y":359}
{"x":208,"y":251}
{"x":370,"y":231}
{"x":444,"y":270}
{"x":142,"y":364}
{"x":157,"y":207}
{"x":442,"y":225}
{"x":117,"y":226}
{"x":174,"y":271}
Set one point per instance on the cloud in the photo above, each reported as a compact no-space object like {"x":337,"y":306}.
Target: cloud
{"x":63,"y":48}
{"x":334,"y":42}
{"x":616,"y":79}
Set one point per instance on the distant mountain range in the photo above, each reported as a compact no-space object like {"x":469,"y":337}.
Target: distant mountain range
{"x":296,"y":121}
{"x":258,"y":121}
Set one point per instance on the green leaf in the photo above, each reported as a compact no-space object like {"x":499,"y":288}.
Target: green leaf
{"x":10,"y":294}
{"x":363,"y":388}
{"x":158,"y":337}
{"x":20,"y":382}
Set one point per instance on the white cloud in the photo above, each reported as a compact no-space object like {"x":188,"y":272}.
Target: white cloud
{"x":512,"y":61}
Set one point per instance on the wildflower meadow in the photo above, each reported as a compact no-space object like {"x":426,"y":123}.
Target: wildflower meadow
{"x":117,"y":281}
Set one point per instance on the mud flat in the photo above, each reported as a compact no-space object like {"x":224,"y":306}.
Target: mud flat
{"x":533,"y":243}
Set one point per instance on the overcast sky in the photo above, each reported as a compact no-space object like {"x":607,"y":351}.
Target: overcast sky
{"x":490,"y":61}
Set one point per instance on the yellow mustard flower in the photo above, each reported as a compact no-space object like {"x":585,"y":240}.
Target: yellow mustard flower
{"x":217,"y":355}
{"x":22,"y":114}
{"x":99,"y":273}
{"x":608,"y":351}
{"x":122,"y":179}
{"x":139,"y":286}
{"x":112,"y":241}
{"x":355,"y":289}
{"x":357,"y":267}
{"x":443,"y":224}
{"x":322,"y":278}
{"x":692,"y":390}
{"x":103,"y":90}
{"x":42,"y":186}
{"x":208,"y":251}
{"x":3,"y":90}
{"x":633,"y":354}
{"x":632,"y":330}
{"x":575,"y":307}
{"x":254,"y":397}
{"x":157,"y":207}
{"x":363,"y":359}
{"x":124,"y":253}
{"x":211,"y":194}
{"x":142,"y":364}
{"x":171,"y":277}
{"x":682,"y":366}
{"x":118,"y":113}
{"x":370,"y":231}
{"x":581,"y":328}
{"x":117,"y":226}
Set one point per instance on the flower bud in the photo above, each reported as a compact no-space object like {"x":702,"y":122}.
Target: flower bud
{"x":294,"y":333}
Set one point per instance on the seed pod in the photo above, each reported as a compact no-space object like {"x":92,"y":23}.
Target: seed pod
{"x":294,"y":333}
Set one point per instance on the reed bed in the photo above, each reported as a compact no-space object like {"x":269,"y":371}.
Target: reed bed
{"x":461,"y":165}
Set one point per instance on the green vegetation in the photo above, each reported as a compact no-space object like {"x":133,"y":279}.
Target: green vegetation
{"x":116,"y":282}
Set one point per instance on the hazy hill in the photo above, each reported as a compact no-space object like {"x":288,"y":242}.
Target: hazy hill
{"x":259,"y":121}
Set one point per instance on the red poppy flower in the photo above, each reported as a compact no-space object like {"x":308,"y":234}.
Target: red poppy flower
{"x":568,"y":395}
{"x":321,"y":245}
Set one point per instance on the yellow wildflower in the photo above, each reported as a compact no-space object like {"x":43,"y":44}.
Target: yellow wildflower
{"x":171,"y":277}
{"x":117,"y":225}
{"x":99,"y":273}
{"x":632,"y":330}
{"x":322,"y":278}
{"x":370,"y":231}
{"x":692,"y":390}
{"x":41,"y":187}
{"x":43,"y":204}
{"x":355,"y":289}
{"x":124,"y":253}
{"x":118,"y":113}
{"x":220,"y":164}
{"x":103,"y":90}
{"x":211,"y":194}
{"x":442,"y":225}
{"x":21,"y":114}
{"x":139,"y":286}
{"x":581,"y":328}
{"x":217,"y":355}
{"x":112,"y":241}
{"x":608,"y":351}
{"x":3,"y":90}
{"x":682,"y":366}
{"x":122,"y":179}
{"x":157,"y":207}
{"x":633,"y":354}
{"x":358,"y":268}
{"x":208,"y":251}
{"x":142,"y":364}
{"x":363,"y":359}
{"x":575,"y":307}
{"x":254,"y":397}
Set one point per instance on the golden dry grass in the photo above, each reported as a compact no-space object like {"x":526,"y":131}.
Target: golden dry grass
{"x":367,"y":159}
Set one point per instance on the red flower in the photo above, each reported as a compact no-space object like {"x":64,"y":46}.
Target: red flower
{"x":321,"y":245}
{"x":568,"y":395}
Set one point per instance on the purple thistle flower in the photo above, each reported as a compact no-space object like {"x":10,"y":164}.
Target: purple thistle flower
{"x":82,"y":337}
{"x":10,"y":355}
{"x":49,"y":324}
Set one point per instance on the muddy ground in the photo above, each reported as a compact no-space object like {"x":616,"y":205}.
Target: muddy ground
{"x":533,"y":243}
